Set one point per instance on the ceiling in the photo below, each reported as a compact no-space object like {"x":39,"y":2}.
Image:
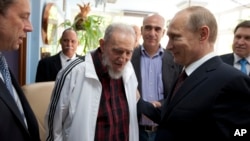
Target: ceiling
{"x":165,"y":7}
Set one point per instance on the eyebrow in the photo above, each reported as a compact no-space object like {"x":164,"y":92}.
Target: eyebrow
{"x":153,"y":27}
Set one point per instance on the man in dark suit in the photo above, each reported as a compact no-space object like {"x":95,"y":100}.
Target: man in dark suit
{"x":241,"y":48}
{"x":48,"y":68}
{"x":213,"y":101}
{"x":154,"y":68}
{"x":17,"y":121}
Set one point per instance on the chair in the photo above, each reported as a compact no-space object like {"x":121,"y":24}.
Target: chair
{"x":38,"y":95}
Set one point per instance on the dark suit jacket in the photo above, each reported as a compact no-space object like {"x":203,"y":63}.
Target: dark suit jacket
{"x":212,"y":103}
{"x":229,"y":59}
{"x":12,"y":126}
{"x":48,"y":68}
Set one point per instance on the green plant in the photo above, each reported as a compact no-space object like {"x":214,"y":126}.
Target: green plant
{"x":89,"y":31}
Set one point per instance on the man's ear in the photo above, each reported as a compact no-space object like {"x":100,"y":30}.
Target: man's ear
{"x":204,"y":33}
{"x":78,"y":42}
{"x":101,"y":43}
{"x":164,"y":32}
{"x":60,"y":41}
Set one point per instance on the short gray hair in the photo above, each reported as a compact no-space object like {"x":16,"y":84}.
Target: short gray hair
{"x":200,"y":16}
{"x":120,"y":27}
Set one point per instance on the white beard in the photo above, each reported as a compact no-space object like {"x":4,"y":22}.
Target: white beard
{"x":112,"y":73}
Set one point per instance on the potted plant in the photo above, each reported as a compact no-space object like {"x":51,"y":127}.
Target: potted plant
{"x":88,"y":27}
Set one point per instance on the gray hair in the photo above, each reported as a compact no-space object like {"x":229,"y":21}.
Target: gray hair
{"x":118,"y":27}
{"x":4,"y":5}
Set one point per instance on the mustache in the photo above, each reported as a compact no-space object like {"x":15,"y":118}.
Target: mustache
{"x":112,"y":73}
{"x":68,"y":47}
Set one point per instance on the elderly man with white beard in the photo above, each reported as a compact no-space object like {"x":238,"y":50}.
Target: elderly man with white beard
{"x":95,"y":99}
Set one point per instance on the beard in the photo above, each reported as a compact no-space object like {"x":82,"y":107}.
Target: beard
{"x":106,"y":62}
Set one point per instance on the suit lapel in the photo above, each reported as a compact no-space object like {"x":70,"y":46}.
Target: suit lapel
{"x":57,"y":62}
{"x":230,"y":60}
{"x":191,"y":82}
{"x":137,"y":65}
{"x":169,"y":72}
{"x":9,"y":101}
{"x":166,"y":68}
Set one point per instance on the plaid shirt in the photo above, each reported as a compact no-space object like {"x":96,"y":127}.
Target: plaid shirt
{"x":113,"y":116}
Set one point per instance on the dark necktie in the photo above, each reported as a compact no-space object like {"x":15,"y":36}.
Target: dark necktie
{"x":7,"y":79}
{"x":179,"y":82}
{"x":243,"y":63}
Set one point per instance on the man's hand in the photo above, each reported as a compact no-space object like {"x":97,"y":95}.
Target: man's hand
{"x":156,"y":104}
{"x":138,"y":96}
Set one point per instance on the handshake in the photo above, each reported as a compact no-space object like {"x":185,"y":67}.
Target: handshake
{"x":156,"y":104}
